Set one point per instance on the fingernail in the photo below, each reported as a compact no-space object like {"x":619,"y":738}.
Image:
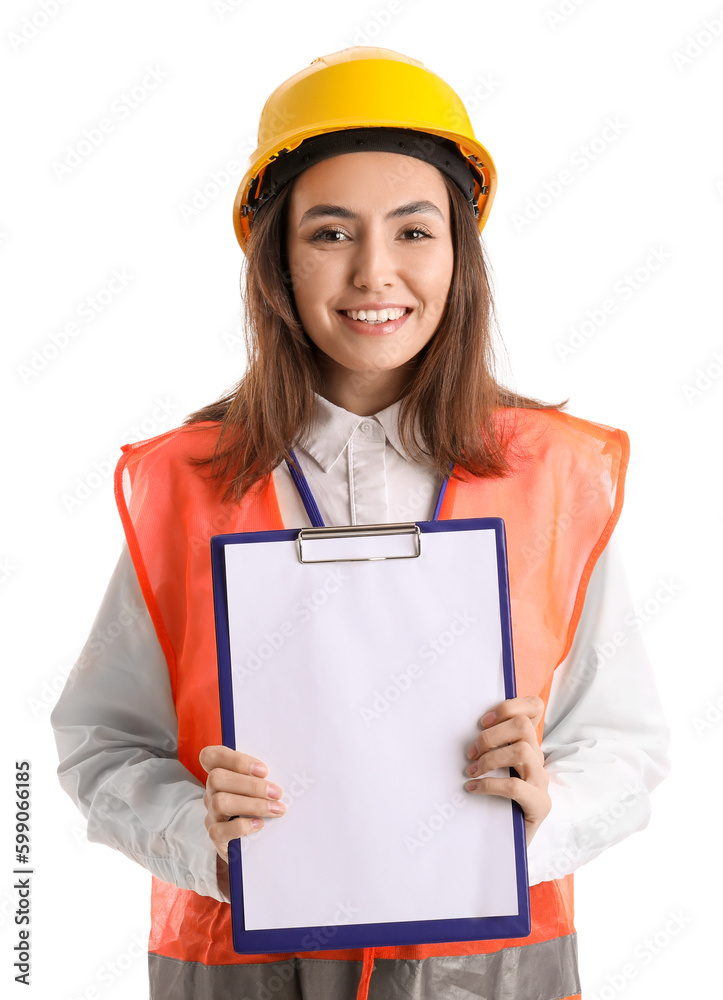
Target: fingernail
{"x":471,"y":786}
{"x":488,"y":719}
{"x":256,"y":824}
{"x":471,"y":769}
{"x":259,"y":770}
{"x":273,"y":791}
{"x":277,"y":807}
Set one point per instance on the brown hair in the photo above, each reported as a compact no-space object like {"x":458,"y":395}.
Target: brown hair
{"x":452,"y":390}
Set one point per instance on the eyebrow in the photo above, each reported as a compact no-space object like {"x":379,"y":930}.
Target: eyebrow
{"x":411,"y":208}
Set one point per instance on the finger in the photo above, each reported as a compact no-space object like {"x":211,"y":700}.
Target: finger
{"x":526,"y":760}
{"x":222,"y":806}
{"x":530,"y":705}
{"x":222,"y":833}
{"x":535,"y":802}
{"x":221,"y":780}
{"x":513,"y":730}
{"x":233,"y":760}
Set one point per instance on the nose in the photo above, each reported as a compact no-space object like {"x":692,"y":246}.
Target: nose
{"x":373,"y":263}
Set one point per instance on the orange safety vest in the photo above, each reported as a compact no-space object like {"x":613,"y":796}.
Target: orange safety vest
{"x":560,"y":505}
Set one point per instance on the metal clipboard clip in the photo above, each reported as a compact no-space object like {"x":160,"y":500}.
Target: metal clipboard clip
{"x":355,"y":531}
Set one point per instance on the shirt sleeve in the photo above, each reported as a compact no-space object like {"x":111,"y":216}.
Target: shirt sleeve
{"x":605,"y":739}
{"x":116,"y":732}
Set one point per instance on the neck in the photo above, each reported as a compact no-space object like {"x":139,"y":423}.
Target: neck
{"x":363,"y":393}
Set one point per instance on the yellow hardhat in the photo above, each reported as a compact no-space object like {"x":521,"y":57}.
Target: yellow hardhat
{"x":360,"y":94}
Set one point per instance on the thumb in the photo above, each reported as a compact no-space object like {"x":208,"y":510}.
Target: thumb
{"x":207,"y":758}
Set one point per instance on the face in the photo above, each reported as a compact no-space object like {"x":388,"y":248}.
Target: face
{"x":370,"y":232}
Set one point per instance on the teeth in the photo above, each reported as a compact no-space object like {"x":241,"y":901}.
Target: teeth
{"x":375,"y":316}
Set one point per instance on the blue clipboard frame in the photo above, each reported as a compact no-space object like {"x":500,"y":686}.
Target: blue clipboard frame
{"x":367,"y":935}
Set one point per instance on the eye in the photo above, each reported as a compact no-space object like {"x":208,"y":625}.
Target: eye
{"x":417,"y":229}
{"x":324,"y":232}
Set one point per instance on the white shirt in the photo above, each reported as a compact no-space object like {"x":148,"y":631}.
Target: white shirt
{"x":605,"y":739}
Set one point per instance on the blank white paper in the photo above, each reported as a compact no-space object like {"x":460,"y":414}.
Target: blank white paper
{"x":360,"y":685}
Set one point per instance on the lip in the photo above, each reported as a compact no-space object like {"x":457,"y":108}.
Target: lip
{"x":378,"y":329}
{"x":376,"y":306}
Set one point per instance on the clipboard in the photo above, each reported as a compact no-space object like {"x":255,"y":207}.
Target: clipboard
{"x":355,"y":662}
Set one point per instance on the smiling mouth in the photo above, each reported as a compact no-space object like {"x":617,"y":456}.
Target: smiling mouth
{"x":374,"y":317}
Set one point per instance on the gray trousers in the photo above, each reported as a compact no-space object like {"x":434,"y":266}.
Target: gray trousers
{"x":543,"y":971}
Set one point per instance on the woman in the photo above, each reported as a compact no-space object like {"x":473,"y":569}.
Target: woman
{"x":369,"y":314}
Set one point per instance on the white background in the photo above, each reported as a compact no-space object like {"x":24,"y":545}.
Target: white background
{"x":539,"y":89}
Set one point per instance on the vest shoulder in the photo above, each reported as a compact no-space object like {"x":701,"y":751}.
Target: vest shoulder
{"x":178,"y":444}
{"x":549,"y":428}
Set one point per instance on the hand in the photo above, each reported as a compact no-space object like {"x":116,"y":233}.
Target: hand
{"x":234,"y":796}
{"x":509,"y":740}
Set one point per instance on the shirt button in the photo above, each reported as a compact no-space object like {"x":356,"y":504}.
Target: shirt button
{"x":189,"y":879}
{"x":366,"y":427}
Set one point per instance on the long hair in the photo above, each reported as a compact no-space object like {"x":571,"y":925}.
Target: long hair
{"x":452,"y":391}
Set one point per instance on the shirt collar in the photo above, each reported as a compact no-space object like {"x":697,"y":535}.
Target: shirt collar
{"x":329,"y":434}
